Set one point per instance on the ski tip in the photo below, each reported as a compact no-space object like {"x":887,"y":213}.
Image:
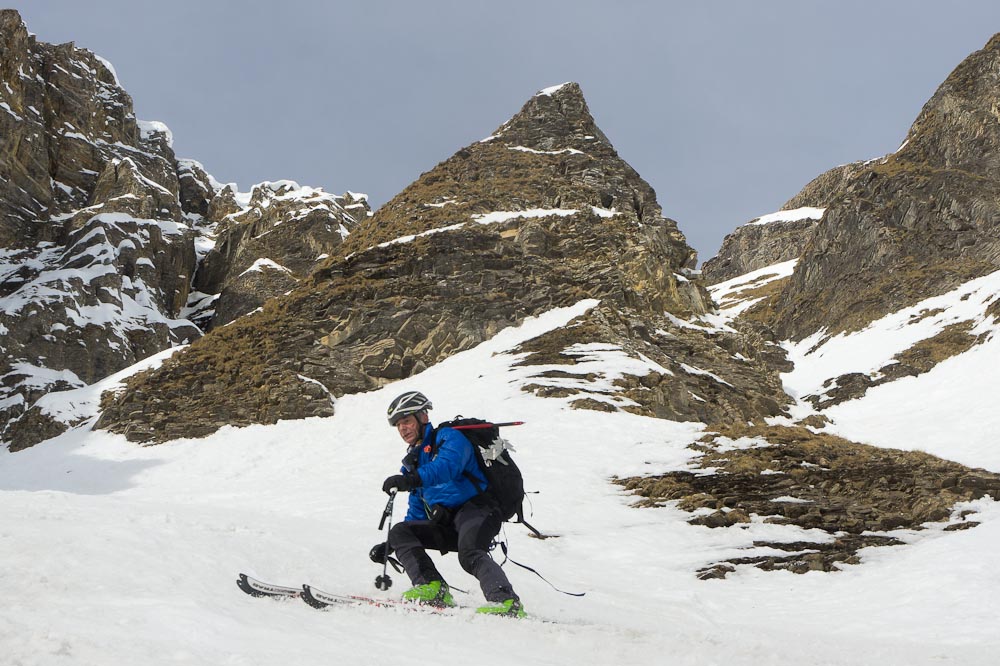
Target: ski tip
{"x":256,"y":588}
{"x":307,"y":596}
{"x":244,"y":584}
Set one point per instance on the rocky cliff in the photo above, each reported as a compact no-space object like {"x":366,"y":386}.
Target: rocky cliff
{"x":103,"y":231}
{"x":542,"y":213}
{"x":914,"y":224}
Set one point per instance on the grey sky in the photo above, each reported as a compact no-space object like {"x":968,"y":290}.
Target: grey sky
{"x":727,"y":108}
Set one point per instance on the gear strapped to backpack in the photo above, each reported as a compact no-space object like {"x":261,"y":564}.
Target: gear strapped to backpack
{"x":503,"y":477}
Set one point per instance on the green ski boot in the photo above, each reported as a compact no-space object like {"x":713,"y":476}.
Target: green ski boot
{"x":434,"y":593}
{"x":508,"y":608}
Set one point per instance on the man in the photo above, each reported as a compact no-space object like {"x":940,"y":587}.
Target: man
{"x":447,"y":511}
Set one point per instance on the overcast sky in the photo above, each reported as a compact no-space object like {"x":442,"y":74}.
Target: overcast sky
{"x":727,"y":107}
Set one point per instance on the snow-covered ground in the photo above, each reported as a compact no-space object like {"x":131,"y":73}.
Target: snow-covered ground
{"x":949,"y":411}
{"x":115,"y":554}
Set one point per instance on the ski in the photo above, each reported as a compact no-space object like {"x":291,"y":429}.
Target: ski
{"x":323,"y":600}
{"x":320,"y":599}
{"x":256,"y":588}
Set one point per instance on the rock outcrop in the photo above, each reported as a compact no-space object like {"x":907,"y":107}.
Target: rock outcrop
{"x":855,"y":496}
{"x":764,"y":241}
{"x":896,"y":253}
{"x":97,"y":255}
{"x":780,"y":236}
{"x":265,"y":248}
{"x":542,"y":213}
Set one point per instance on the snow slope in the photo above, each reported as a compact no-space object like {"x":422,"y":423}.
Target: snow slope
{"x":117,"y":555}
{"x":949,"y":411}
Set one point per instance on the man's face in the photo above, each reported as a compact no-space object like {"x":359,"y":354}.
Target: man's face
{"x":409,"y":428}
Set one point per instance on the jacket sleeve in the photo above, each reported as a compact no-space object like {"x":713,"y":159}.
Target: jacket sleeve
{"x":453,"y":456}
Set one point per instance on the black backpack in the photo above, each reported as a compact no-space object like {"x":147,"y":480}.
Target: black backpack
{"x":503,"y":477}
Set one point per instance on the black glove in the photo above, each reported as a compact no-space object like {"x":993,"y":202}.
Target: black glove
{"x":401,"y":482}
{"x":378,"y":553}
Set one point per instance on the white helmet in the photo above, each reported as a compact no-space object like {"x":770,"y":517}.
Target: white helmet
{"x":411,"y":402}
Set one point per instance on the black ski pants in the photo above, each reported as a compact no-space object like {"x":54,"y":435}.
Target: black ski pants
{"x":468,"y":531}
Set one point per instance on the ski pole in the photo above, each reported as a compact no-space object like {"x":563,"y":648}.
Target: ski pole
{"x":384,"y":582}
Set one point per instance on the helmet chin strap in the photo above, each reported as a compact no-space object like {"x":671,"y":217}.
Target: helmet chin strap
{"x":423,"y":418}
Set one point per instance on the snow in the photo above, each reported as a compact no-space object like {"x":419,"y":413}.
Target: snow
{"x":111,"y":68}
{"x":727,"y":294}
{"x":118,"y":554}
{"x":691,"y":370}
{"x":605,"y":212}
{"x":507,"y":215}
{"x":82,"y":403}
{"x":37,"y":377}
{"x":441,"y":204}
{"x":548,"y":92}
{"x":564,"y":151}
{"x":147,"y":128}
{"x":6,"y":107}
{"x":868,"y":350}
{"x":130,"y":306}
{"x":429,"y":232}
{"x":262,"y":264}
{"x":950,"y":411}
{"x":804,"y":213}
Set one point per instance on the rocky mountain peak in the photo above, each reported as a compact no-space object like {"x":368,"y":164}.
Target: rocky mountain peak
{"x":555,"y":118}
{"x":549,"y":156}
{"x":541,"y":214}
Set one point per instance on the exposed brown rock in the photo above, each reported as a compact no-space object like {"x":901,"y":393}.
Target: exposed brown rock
{"x":97,"y":257}
{"x":857,"y":493}
{"x":718,"y":378}
{"x":755,"y":246}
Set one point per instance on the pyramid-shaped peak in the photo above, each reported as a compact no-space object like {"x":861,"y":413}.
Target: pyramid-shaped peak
{"x":550,"y":156}
{"x":555,"y":118}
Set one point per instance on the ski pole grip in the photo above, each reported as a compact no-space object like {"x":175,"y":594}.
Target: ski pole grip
{"x":388,"y":509}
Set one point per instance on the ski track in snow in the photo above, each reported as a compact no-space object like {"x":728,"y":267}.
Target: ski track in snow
{"x":117,"y":554}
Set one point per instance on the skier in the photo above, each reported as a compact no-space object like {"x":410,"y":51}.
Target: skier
{"x":446,"y":511}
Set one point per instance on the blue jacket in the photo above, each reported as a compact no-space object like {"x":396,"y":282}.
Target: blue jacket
{"x":442,"y":472}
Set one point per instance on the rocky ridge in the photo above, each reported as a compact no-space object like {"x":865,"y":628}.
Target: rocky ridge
{"x":913,"y":235}
{"x":103,"y":231}
{"x":263,"y":247}
{"x":540,"y":214}
{"x":913,"y":224}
